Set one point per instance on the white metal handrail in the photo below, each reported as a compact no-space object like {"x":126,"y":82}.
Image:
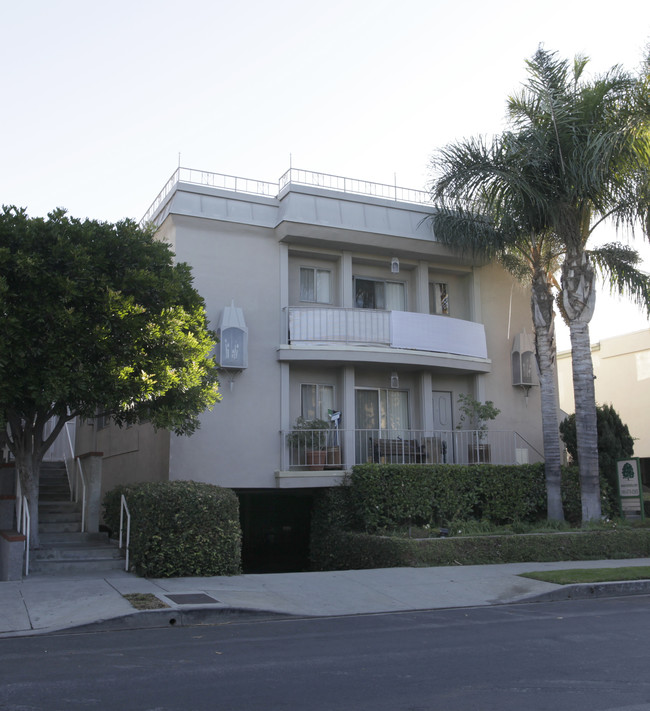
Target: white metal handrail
{"x":293,"y":176}
{"x":68,"y":459}
{"x":82,"y":478}
{"x":343,"y":448}
{"x":26,"y":525}
{"x":124,"y":508}
{"x":23,"y":519}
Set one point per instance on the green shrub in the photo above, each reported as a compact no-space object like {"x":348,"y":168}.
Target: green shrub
{"x":385,"y":498}
{"x":179,"y":528}
{"x":356,"y":551}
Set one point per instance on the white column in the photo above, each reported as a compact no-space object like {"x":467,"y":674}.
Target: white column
{"x":346,"y":294}
{"x":422,"y":288}
{"x":349,"y":419}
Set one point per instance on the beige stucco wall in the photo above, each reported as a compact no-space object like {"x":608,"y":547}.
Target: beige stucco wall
{"x":622,"y":370}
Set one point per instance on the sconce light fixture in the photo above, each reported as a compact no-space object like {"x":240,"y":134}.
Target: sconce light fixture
{"x":394,"y":380}
{"x":394,"y":265}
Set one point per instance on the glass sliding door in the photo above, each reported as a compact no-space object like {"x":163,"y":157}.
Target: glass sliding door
{"x":381,"y":414}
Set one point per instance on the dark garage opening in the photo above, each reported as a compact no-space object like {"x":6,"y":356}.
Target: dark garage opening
{"x":275,"y":527}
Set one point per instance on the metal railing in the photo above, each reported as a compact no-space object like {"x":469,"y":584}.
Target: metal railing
{"x":23,"y":519}
{"x":353,"y":186}
{"x":340,"y":449}
{"x":293,"y":176}
{"x":76,"y":478}
{"x":338,"y":325}
{"x":124,"y":508}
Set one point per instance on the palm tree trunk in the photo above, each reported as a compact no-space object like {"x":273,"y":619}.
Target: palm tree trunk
{"x":543,"y":317}
{"x":579,"y":300}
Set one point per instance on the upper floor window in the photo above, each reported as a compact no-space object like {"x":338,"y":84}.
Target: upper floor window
{"x":379,"y":294}
{"x":316,"y":285}
{"x":439,"y":299}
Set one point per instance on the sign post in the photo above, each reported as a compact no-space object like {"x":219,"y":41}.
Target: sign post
{"x":630,"y":490}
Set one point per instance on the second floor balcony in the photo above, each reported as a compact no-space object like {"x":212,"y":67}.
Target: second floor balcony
{"x":308,"y":326}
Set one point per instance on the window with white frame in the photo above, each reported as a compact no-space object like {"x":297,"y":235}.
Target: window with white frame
{"x":316,"y":401}
{"x":439,"y":298}
{"x":315,"y":285}
{"x":379,"y":294}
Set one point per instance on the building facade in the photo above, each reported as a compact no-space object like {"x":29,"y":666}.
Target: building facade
{"x":622,"y":370}
{"x":334,"y":303}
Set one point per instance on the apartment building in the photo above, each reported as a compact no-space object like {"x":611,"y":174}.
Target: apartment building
{"x":334,"y":304}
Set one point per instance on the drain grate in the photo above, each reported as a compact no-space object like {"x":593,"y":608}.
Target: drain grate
{"x":191,"y":599}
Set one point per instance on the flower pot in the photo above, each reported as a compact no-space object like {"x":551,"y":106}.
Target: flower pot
{"x":316,"y":459}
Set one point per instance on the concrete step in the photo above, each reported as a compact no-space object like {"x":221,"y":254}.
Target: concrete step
{"x":45,"y":507}
{"x":60,"y":527}
{"x":59,"y":516}
{"x":66,"y":553}
{"x":65,"y":567}
{"x":92,"y":552}
{"x":71,"y":538}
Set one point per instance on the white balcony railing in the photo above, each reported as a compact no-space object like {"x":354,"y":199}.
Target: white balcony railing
{"x":397,"y":329}
{"x":340,"y":449}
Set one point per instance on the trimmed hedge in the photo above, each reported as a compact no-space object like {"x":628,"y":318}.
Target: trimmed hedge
{"x":179,"y":528}
{"x":379,"y":498}
{"x":347,"y":550}
{"x":389,"y":496}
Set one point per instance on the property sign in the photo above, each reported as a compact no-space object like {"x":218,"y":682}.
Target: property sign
{"x":630,"y":490}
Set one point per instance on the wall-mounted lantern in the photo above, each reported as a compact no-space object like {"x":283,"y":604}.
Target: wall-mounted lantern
{"x":523,"y":361}
{"x":233,"y":340}
{"x":394,"y":265}
{"x":394,"y":380}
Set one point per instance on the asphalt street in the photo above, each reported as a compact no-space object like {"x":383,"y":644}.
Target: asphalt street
{"x":582,"y":655}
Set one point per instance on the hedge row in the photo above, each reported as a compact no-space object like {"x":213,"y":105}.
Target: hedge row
{"x":179,"y":528}
{"x":389,"y":496}
{"x":347,"y":550}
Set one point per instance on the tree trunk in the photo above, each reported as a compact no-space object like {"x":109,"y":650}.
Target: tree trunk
{"x":578,"y":298}
{"x":28,"y":466}
{"x":543,"y":320}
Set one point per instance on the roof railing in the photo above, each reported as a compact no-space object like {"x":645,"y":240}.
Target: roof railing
{"x":293,"y":176}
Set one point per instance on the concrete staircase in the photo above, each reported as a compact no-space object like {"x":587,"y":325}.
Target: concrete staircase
{"x":64,"y":548}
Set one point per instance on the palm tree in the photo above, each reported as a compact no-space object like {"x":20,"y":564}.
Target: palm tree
{"x":589,"y":142}
{"x":483,"y":210}
{"x":578,"y":154}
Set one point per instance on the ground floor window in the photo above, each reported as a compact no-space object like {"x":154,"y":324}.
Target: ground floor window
{"x":316,"y":401}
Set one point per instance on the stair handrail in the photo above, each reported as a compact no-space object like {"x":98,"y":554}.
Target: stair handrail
{"x":80,"y":474}
{"x":70,"y":458}
{"x":125,"y":508}
{"x":23,"y":519}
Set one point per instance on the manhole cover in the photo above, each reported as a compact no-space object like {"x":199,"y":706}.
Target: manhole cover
{"x":191,"y":599}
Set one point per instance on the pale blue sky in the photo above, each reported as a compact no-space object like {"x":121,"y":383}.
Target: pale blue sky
{"x":100,"y":98}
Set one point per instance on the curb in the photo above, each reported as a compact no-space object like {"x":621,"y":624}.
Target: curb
{"x":584,"y":591}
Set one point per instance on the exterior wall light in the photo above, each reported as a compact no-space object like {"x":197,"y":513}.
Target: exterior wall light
{"x":394,"y":265}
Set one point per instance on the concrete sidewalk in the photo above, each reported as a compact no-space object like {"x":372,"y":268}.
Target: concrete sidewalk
{"x":41,"y":604}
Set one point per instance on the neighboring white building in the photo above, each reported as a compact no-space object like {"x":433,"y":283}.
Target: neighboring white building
{"x":331,"y":294}
{"x":622,"y":370}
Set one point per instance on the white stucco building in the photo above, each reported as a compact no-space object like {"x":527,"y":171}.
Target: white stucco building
{"x":332,"y":295}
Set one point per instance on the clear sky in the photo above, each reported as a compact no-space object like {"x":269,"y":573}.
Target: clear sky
{"x":99,"y":99}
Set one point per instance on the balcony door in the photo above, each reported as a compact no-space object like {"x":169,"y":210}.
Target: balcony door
{"x":379,"y":413}
{"x":441,"y":446}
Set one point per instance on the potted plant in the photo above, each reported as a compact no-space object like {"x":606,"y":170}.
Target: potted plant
{"x":477,"y":414}
{"x":309,"y":437}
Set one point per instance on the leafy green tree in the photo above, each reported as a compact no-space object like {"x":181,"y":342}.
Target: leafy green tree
{"x":577,"y":155}
{"x":96,"y":318}
{"x":614,"y":441}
